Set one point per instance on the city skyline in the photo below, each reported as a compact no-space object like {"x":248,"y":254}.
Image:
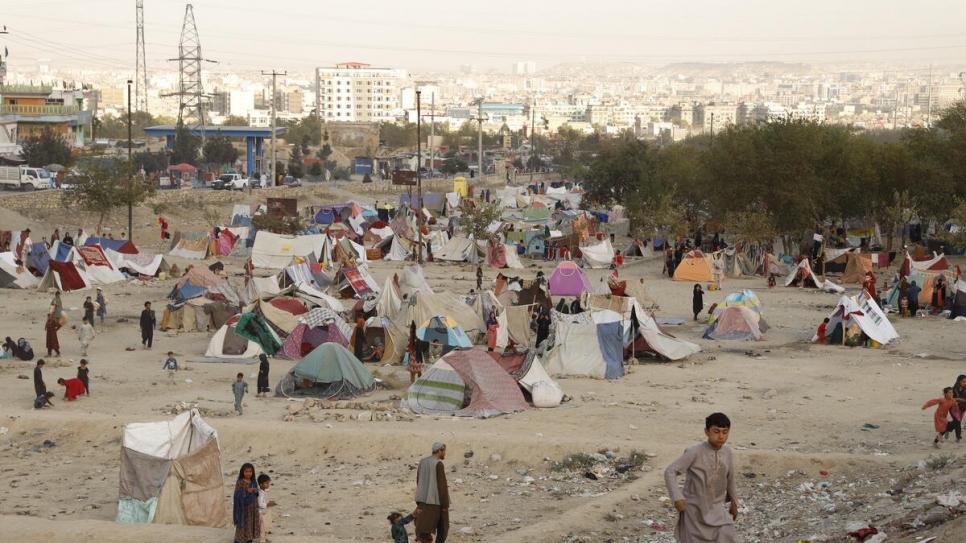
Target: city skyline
{"x":301,"y":35}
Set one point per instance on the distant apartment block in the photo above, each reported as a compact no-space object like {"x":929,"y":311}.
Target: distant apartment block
{"x":27,"y":110}
{"x":524,"y":68}
{"x":721,"y":115}
{"x":357,"y":92}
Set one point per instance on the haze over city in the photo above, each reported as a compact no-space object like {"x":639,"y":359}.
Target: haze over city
{"x":435,"y":35}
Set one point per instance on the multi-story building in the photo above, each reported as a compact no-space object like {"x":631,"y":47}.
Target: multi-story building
{"x":356,"y":92}
{"x":722,"y":115}
{"x":27,"y":110}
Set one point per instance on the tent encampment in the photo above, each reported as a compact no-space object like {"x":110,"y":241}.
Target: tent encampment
{"x":226,"y":343}
{"x":568,"y":280}
{"x":802,"y":275}
{"x":171,"y":473}
{"x":694,"y":267}
{"x":329,"y":371}
{"x":592,"y":349}
{"x":460,"y":375}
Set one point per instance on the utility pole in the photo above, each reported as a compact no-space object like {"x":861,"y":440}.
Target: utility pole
{"x":929,"y":107}
{"x":141,"y":73}
{"x":274,"y":74}
{"x":479,"y":136}
{"x":419,"y":179}
{"x":130,"y":168}
{"x":712,"y":129}
{"x":533,"y":139}
{"x":432,"y":134}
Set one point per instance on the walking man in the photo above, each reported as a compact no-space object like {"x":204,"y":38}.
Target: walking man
{"x":432,"y":497}
{"x":148,"y":321}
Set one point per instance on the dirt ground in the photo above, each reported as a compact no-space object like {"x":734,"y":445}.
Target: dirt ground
{"x":798,"y":413}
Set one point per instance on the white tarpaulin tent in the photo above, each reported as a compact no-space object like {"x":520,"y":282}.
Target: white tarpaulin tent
{"x":277,"y":251}
{"x":600,"y":255}
{"x":13,"y":276}
{"x":862,"y":312}
{"x":457,"y":250}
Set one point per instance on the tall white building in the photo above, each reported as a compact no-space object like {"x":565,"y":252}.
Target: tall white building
{"x":526,"y":67}
{"x":353,"y":91}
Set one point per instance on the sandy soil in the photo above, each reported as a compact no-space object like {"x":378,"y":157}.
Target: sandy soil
{"x":798,"y":409}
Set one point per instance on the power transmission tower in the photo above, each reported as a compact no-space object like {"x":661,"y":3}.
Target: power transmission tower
{"x":191,"y":93}
{"x":141,"y":75}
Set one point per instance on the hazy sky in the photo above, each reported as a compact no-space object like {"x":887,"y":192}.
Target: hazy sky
{"x":443,"y":34}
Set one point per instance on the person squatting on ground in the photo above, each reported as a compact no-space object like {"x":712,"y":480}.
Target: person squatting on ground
{"x":708,"y":484}
{"x":432,"y":497}
{"x":72,"y":388}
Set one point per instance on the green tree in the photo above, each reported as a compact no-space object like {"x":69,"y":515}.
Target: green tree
{"x":316,"y":170}
{"x":397,"y":136}
{"x":218,"y":150}
{"x":326,"y":150}
{"x":104,"y":185}
{"x":235,"y":120}
{"x":476,"y":221}
{"x":150,"y":162}
{"x":296,"y":166}
{"x":47,"y":148}
{"x":186,"y":145}
{"x":289,"y":226}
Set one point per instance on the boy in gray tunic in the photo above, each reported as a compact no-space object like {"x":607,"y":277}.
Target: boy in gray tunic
{"x":239,"y":388}
{"x":709,"y":483}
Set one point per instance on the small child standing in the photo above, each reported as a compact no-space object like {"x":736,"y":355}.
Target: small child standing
{"x":399,"y":522}
{"x":264,"y":514}
{"x":85,"y":333}
{"x":239,"y":388}
{"x":170,"y":366}
{"x":82,"y":374}
{"x":708,"y":484}
{"x":941,"y":420}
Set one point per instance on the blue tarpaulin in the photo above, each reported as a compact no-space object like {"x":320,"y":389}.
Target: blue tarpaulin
{"x":39,"y":257}
{"x":117,"y":245}
{"x":63,"y":251}
{"x":611,"y":338}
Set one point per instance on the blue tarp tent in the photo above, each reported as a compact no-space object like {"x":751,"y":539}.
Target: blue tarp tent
{"x":449,"y":333}
{"x":117,"y":245}
{"x":39,"y":257}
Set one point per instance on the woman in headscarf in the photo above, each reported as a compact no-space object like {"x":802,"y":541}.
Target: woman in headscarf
{"x":913,"y":294}
{"x":245,"y":505}
{"x":358,"y":339}
{"x":263,"y":368}
{"x":53,"y":344}
{"x":491,"y":327}
{"x":697,"y":300}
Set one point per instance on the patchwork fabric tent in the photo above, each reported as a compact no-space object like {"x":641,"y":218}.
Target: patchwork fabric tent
{"x":329,"y":371}
{"x":737,"y":322}
{"x":449,"y":333}
{"x":743,"y":298}
{"x":694,"y":267}
{"x":934,"y":263}
{"x":171,"y":473}
{"x":465,"y":384}
{"x":860,"y":314}
{"x":568,"y":280}
{"x":321,"y":325}
{"x":423,"y":306}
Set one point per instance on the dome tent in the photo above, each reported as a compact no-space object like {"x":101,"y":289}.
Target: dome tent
{"x":449,"y":333}
{"x":329,"y":371}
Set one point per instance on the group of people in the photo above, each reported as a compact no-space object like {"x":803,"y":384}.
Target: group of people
{"x":56,"y":319}
{"x":251,"y":508}
{"x":432,"y":502}
{"x":909,"y":294}
{"x":948,"y":417}
{"x":73,"y":388}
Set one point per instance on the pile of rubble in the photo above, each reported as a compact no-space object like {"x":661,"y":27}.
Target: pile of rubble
{"x":346,"y":410}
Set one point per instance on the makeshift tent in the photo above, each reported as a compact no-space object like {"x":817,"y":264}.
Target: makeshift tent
{"x":328,"y":327}
{"x":277,"y":251}
{"x":254,"y":328}
{"x":143,"y":263}
{"x":65,"y":276}
{"x":600,"y":255}
{"x":694,"y":267}
{"x":329,"y":371}
{"x":467,"y":378}
{"x":226,"y":343}
{"x":568,"y":280}
{"x":860,"y":314}
{"x":193,"y":245}
{"x":14,"y":276}
{"x":171,"y":473}
{"x":803,"y":276}
{"x":935,"y":263}
{"x":588,"y":349}
{"x":99,"y":269}
{"x":737,"y":322}
{"x":856,"y":266}
{"x":355,"y":281}
{"x":377,"y":329}
{"x":447,"y":331}
{"x":926,"y":281}
{"x":423,"y":306}
{"x":459,"y":250}
{"x":743,"y":298}
{"x":536,"y":211}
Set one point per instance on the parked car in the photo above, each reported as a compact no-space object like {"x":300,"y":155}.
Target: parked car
{"x":292,"y":182}
{"x":230,"y":181}
{"x":426,"y":173}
